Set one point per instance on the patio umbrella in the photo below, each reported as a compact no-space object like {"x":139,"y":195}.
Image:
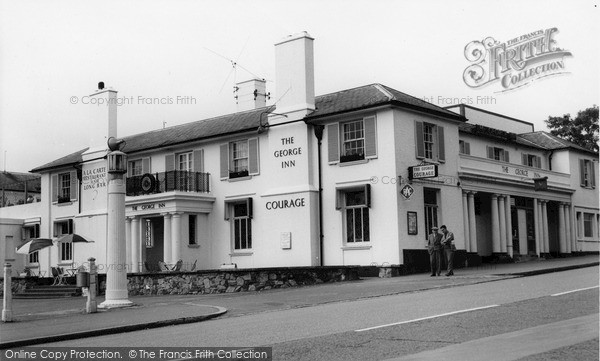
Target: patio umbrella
{"x":73,"y":238}
{"x":33,"y":245}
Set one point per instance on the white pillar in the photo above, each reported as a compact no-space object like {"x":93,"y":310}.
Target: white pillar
{"x":562,"y":245}
{"x":116,"y":274}
{"x":466,"y":222}
{"x":538,"y":227}
{"x":472,"y":223}
{"x":167,"y":248}
{"x":573,"y":229}
{"x":545,"y":225}
{"x":502,"y":214}
{"x":176,"y":238}
{"x":7,"y":312}
{"x":509,"y":238}
{"x":568,"y":229}
{"x":495,"y":225}
{"x":135,"y":245}
{"x":542,"y":242}
{"x":128,"y":244}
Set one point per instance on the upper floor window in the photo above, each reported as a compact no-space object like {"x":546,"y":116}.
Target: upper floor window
{"x":499,"y":154}
{"x":429,"y":141}
{"x":531,"y":160}
{"x":587,"y":173}
{"x":136,"y":167}
{"x":185,"y":161}
{"x":64,"y":187}
{"x":464,"y":147}
{"x":239,"y":158}
{"x":351,"y":141}
{"x":353,"y":136}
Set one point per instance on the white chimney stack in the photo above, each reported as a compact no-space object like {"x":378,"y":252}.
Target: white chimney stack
{"x":251,"y":94}
{"x":295,"y":74}
{"x":103,"y":115}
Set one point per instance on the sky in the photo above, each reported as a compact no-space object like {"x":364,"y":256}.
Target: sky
{"x":54,"y":53}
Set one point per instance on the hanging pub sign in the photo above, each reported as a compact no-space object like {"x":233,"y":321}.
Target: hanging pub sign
{"x":422,"y":171}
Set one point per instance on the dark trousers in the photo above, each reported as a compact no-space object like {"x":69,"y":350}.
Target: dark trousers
{"x":449,"y":259}
{"x":435,"y":261}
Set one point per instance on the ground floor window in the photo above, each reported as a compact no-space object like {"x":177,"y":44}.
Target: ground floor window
{"x":588,"y":225}
{"x":34,"y":257}
{"x":192,"y":229}
{"x":356,"y":212}
{"x":431,"y":208}
{"x":65,"y":248}
{"x":242,"y":226}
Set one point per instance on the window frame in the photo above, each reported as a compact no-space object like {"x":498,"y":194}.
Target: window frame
{"x":65,"y":249}
{"x":239,"y":244}
{"x":464,"y":147}
{"x":588,"y":224}
{"x":355,"y":152}
{"x":587,"y":173}
{"x":133,"y":168}
{"x":64,"y":183}
{"x":431,"y":210}
{"x":362,"y":209}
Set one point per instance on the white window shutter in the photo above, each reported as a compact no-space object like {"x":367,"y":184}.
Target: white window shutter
{"x":169,"y":162}
{"x":199,"y":160}
{"x":490,"y":152}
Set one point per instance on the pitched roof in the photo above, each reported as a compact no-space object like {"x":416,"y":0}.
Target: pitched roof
{"x":552,"y":142}
{"x":194,"y":131}
{"x":16,"y":181}
{"x":71,"y":159}
{"x":370,"y":96}
{"x":335,"y":103}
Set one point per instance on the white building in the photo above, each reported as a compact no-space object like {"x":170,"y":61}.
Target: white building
{"x":321,"y":180}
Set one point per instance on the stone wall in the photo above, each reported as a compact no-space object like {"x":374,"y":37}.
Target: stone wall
{"x":226,"y":281}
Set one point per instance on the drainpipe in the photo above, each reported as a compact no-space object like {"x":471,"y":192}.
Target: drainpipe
{"x":550,"y":159}
{"x":319,"y":134}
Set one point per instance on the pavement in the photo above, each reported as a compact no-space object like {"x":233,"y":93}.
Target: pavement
{"x":52,"y":320}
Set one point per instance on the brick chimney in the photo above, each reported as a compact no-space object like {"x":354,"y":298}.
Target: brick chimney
{"x":251,"y":94}
{"x":295,"y":74}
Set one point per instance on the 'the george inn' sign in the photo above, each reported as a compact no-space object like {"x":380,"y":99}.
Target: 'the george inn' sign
{"x":422,"y":171}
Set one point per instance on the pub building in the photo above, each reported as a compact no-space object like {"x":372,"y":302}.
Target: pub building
{"x":355,"y":177}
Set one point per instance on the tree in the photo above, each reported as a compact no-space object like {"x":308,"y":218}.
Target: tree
{"x":581,"y":130}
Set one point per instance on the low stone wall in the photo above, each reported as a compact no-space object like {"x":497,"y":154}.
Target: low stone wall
{"x":233,"y":280}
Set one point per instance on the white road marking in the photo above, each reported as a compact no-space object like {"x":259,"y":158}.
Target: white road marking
{"x":425,"y":318}
{"x":577,"y":290}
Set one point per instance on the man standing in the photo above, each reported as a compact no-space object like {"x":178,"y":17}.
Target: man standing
{"x":449,"y":248}
{"x":434,"y":246}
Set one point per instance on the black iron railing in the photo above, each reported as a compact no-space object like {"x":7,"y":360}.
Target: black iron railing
{"x":175,"y":180}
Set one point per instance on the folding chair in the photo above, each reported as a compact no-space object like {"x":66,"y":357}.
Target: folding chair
{"x":163,"y":267}
{"x":178,"y":265}
{"x":57,"y":273}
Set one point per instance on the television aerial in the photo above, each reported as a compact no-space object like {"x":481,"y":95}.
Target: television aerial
{"x":234,"y":66}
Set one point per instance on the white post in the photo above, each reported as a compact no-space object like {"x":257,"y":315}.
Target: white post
{"x":116,"y":275}
{"x":466,"y":222}
{"x":90,"y":306}
{"x":495,"y":225}
{"x":7,"y":309}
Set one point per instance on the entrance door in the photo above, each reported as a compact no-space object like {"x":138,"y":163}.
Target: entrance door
{"x":514,"y":218}
{"x":530,"y":232}
{"x":153,"y":233}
